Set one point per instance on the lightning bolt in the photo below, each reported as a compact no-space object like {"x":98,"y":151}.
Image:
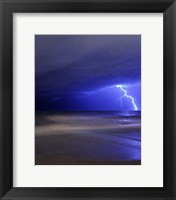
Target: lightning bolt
{"x":128,"y":96}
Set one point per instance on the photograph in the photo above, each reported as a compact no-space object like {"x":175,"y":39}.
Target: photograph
{"x":87,"y":99}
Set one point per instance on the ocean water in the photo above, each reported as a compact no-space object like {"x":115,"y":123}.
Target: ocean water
{"x":88,"y":138}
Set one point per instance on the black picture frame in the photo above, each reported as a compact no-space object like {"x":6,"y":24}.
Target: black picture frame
{"x":7,"y":8}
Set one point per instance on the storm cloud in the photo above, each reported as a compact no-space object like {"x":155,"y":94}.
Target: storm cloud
{"x":70,"y":65}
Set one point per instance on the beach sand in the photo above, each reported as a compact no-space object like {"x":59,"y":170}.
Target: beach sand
{"x":88,"y":138}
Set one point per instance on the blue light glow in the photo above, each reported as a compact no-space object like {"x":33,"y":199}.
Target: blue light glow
{"x":128,"y":96}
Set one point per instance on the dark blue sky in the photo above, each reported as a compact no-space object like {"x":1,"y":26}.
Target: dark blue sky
{"x":80,"y":72}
